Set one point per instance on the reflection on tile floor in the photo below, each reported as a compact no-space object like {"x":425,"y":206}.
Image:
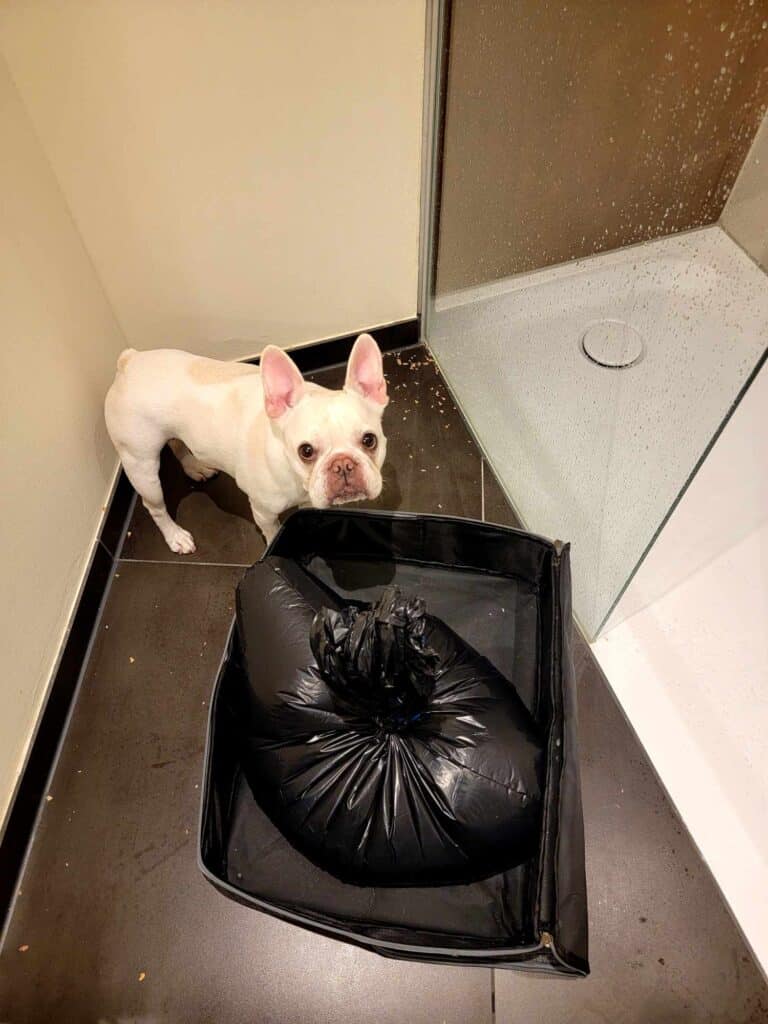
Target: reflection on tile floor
{"x":115,"y":921}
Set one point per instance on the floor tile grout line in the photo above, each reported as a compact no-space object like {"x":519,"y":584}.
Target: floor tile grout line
{"x":107,"y":552}
{"x":161,"y":561}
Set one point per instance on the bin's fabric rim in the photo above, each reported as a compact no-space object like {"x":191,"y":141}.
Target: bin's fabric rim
{"x":555,"y":546}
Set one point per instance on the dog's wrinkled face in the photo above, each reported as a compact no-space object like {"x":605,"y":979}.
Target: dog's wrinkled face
{"x":333,"y":439}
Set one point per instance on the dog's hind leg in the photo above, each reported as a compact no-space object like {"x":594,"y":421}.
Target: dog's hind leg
{"x":143,"y":472}
{"x":192,"y":466}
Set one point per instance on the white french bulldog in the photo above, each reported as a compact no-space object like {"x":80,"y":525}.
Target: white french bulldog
{"x":286,"y":442}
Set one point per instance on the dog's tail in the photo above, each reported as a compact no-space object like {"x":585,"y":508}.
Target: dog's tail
{"x":125,"y":357}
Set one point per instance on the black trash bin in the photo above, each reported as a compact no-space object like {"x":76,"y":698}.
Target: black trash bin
{"x":506,"y":595}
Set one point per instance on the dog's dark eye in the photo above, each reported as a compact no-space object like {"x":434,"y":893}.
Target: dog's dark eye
{"x":370,"y":441}
{"x":306,"y":452}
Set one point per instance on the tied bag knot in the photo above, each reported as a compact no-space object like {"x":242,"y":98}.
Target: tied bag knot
{"x":376,"y":660}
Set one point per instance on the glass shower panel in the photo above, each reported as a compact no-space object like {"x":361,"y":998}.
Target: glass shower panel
{"x":595,"y":322}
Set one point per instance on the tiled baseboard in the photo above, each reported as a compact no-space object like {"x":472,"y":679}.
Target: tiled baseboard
{"x":321,"y":355}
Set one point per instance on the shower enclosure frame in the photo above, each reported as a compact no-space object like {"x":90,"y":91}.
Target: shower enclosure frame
{"x":436,"y":72}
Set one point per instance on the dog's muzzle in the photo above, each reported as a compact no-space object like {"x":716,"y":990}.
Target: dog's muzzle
{"x":345,"y":480}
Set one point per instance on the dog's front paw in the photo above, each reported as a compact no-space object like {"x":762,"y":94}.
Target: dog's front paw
{"x":180,"y":540}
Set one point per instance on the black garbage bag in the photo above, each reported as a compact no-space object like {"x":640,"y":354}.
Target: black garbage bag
{"x":397,"y":755}
{"x":490,"y":593}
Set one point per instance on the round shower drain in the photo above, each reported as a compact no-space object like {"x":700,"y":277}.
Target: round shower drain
{"x":612,"y":343}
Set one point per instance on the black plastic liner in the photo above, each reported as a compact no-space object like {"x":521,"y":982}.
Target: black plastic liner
{"x":506,"y":595}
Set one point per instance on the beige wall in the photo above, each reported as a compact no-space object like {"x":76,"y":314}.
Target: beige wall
{"x":241,"y":172}
{"x":58,"y":344}
{"x":745,"y":216}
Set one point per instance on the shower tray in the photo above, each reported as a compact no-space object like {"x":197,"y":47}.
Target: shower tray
{"x":596,"y":387}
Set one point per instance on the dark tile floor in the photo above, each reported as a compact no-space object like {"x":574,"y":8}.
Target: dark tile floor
{"x":114,"y":923}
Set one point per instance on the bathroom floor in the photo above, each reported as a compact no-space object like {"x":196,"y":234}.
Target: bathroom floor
{"x":114,"y":922}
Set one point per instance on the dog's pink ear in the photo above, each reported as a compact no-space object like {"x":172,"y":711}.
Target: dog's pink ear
{"x":365,"y":371}
{"x":282,"y":381}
